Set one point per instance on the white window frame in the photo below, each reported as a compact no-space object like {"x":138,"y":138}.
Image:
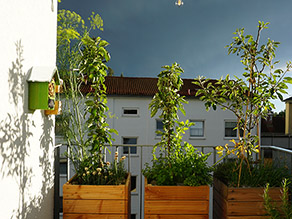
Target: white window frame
{"x":156,"y":135}
{"x":130,"y":115}
{"x":230,"y":137}
{"x":197,"y":137}
{"x":129,"y":148}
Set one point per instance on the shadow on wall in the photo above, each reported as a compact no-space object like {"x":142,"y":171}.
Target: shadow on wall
{"x":15,"y":147}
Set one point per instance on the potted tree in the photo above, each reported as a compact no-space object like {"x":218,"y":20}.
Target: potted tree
{"x":176,"y":185}
{"x":249,"y":98}
{"x":99,"y":189}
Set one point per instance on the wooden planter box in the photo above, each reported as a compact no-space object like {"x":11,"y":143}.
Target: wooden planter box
{"x":97,"y":201}
{"x":240,"y":203}
{"x":173,"y":202}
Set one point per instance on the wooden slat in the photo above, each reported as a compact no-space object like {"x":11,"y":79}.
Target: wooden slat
{"x":252,"y":194}
{"x":176,"y":207}
{"x":95,"y":206}
{"x":94,"y":216}
{"x":93,"y":192}
{"x":176,"y":193}
{"x":221,"y":188}
{"x":246,"y":208}
{"x":176,"y":217}
{"x":128,"y":194}
{"x":219,"y":205}
{"x":247,"y":217}
{"x":96,"y":191}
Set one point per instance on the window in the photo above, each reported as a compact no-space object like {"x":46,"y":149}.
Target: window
{"x":197,"y":130}
{"x":159,"y":126}
{"x":133,"y":183}
{"x":130,"y":111}
{"x":133,"y":150}
{"x":229,"y":129}
{"x":63,"y":168}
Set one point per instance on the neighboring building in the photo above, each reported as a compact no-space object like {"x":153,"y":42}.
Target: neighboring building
{"x":129,"y":99}
{"x":277,"y":130}
{"x":28,"y":39}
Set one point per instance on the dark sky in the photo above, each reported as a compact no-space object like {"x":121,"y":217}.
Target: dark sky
{"x":146,"y":34}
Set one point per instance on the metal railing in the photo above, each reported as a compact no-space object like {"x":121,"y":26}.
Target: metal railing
{"x":280,"y":156}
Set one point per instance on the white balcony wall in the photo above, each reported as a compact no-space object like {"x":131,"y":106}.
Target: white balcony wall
{"x":28,"y":38}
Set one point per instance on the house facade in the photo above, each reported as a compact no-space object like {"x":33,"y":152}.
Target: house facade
{"x":128,"y":102}
{"x":28,"y":36}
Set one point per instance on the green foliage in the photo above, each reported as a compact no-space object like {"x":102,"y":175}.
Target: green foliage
{"x":187,"y":168}
{"x":182,"y":163}
{"x":273,"y":210}
{"x":249,"y":97}
{"x":81,"y":59}
{"x":93,"y":172}
{"x":93,"y":66}
{"x":252,"y":175}
{"x":168,"y":100}
{"x":71,"y":34}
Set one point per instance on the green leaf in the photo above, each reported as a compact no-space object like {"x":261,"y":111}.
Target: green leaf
{"x":280,"y":96}
{"x":288,"y":80}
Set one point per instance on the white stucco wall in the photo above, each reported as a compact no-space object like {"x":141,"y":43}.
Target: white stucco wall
{"x":28,"y":38}
{"x":143,"y":128}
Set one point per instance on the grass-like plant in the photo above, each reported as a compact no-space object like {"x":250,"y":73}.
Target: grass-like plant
{"x":252,"y":175}
{"x":274,"y":211}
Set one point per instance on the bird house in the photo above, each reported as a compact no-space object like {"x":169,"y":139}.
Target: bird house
{"x":42,"y":83}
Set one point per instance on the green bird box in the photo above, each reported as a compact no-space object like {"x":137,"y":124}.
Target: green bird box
{"x":41,"y":87}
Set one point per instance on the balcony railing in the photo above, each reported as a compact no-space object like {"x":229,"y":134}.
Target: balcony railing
{"x":143,"y":153}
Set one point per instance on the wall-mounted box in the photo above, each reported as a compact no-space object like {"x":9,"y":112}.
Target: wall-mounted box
{"x":57,"y":110}
{"x":41,"y":87}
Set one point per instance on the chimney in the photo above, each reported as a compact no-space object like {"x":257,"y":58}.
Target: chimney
{"x":288,"y":116}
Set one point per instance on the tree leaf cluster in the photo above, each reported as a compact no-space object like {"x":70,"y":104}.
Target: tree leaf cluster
{"x":249,"y":97}
{"x":179,"y":162}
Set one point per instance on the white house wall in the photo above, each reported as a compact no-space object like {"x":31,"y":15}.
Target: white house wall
{"x":28,"y":38}
{"x":143,"y":127}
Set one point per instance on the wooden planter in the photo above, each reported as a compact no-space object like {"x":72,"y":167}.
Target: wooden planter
{"x":173,"y":202}
{"x":97,"y":201}
{"x":240,"y":203}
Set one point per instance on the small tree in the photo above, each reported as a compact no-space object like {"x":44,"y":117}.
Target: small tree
{"x":94,"y":57}
{"x":249,"y":97}
{"x":179,"y":162}
{"x":168,"y":100}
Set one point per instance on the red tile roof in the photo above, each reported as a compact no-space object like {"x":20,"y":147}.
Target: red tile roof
{"x":140,"y":86}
